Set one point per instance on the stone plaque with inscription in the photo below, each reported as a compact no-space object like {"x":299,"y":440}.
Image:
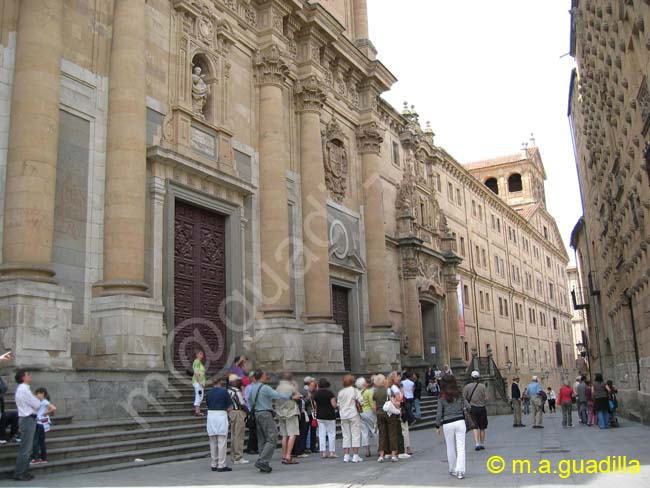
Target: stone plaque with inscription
{"x":203,"y":142}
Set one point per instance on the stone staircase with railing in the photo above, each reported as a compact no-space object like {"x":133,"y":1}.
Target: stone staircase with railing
{"x":161,"y":433}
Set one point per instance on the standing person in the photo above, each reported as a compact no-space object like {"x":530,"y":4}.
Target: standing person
{"x":450,"y":414}
{"x":576,"y":384}
{"x":533,"y":390}
{"x":219,"y":405}
{"x":428,"y":378}
{"x":477,"y":396}
{"x":417,"y":395}
{"x":447,"y":370}
{"x":7,"y":419}
{"x":581,"y":394}
{"x":387,"y":441}
{"x":601,"y":401}
{"x":368,"y":414}
{"x":515,"y":399}
{"x":397,"y":394}
{"x":251,"y":445}
{"x":525,"y":402}
{"x":198,"y":381}
{"x":325,"y":402}
{"x":27,"y":405}
{"x":551,"y":400}
{"x":238,"y":366}
{"x":349,"y":401}
{"x":261,"y":401}
{"x":39,"y":452}
{"x":613,"y":403}
{"x":566,"y":403}
{"x":300,"y":446}
{"x":591,"y":414}
{"x":408,"y":387}
{"x":288,"y":416}
{"x":237,"y":417}
{"x":310,"y":405}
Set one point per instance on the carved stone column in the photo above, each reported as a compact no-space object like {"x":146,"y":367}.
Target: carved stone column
{"x":36,"y":312}
{"x":454,"y":343}
{"x":323,"y":339}
{"x":127,"y":325}
{"x":382,"y":342}
{"x":278,"y":336}
{"x":369,"y":138}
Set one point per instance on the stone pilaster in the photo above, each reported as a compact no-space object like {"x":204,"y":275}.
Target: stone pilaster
{"x":454,"y":343}
{"x":274,"y":155}
{"x":35,"y":312}
{"x":370,"y":138}
{"x":127,"y":325}
{"x":360,"y":19}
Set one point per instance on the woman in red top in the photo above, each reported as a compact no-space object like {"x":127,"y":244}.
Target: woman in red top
{"x":565,"y":400}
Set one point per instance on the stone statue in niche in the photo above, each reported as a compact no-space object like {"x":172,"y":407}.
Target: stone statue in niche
{"x":200,"y":92}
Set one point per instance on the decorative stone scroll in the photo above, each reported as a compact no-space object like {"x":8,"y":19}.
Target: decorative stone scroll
{"x":335,"y":157}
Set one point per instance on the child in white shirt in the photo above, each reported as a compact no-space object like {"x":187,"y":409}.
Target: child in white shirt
{"x":43,"y":425}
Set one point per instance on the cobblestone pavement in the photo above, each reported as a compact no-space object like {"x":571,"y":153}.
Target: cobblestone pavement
{"x":427,"y":467}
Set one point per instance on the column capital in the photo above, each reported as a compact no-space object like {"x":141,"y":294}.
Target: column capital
{"x":272,"y":68}
{"x":370,"y":136}
{"x":310,"y":94}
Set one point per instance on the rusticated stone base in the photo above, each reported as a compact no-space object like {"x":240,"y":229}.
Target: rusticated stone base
{"x":35,"y":323}
{"x":127,"y":332}
{"x":382,"y":349}
{"x":323,"y":347}
{"x":278,"y":344}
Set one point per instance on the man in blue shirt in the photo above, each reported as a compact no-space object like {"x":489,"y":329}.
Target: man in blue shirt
{"x":219,"y":404}
{"x":533,"y":390}
{"x":261,"y":399}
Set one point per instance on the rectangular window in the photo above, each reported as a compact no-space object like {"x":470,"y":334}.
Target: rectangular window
{"x":554,"y":323}
{"x":500,"y":306}
{"x":478,"y":260}
{"x":499,"y":226}
{"x":548,"y":262}
{"x":462,"y":246}
{"x":395,"y":153}
{"x":484,"y":255}
{"x":503,"y":269}
{"x":481,"y":302}
{"x":488,"y":303}
{"x":450,"y":191}
{"x":496,"y":264}
{"x":480,"y":213}
{"x":506,"y":307}
{"x":466,"y":296}
{"x":459,"y":199}
{"x":551,"y":293}
{"x":493,"y":222}
{"x":473,"y":208}
{"x":545,"y":233}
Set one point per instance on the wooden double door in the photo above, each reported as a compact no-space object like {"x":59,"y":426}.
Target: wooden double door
{"x":199,"y":287}
{"x":341,"y":315}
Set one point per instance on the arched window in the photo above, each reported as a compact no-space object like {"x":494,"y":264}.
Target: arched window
{"x":493,"y":185}
{"x":514,"y":183}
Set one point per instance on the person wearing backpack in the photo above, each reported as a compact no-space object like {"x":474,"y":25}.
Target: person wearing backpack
{"x":477,"y":396}
{"x":537,"y":398}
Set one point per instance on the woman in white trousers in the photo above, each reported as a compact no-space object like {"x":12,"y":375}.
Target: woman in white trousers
{"x":451,"y":416}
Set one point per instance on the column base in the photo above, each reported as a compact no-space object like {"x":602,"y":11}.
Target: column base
{"x":127,"y":332}
{"x":323,"y":347}
{"x":35,"y":323}
{"x":278,"y":344}
{"x":382,"y":348}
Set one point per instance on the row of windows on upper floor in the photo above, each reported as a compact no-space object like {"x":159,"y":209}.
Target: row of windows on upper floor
{"x":561,"y":355}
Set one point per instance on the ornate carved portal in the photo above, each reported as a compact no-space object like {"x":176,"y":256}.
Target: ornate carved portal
{"x":199,"y":287}
{"x":336,"y":161}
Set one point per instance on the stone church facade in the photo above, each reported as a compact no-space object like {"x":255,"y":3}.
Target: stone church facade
{"x":223,"y":174}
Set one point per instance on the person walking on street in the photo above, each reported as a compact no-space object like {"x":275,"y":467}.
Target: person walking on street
{"x":450,"y":415}
{"x":288,"y":416}
{"x":533,"y":390}
{"x":551,"y":400}
{"x":27,"y":405}
{"x":349,"y":401}
{"x":601,"y":393}
{"x":261,"y":401}
{"x":237,"y":417}
{"x":251,"y":444}
{"x":581,"y":394}
{"x":219,"y":405}
{"x":515,"y":399}
{"x":567,"y":396}
{"x":591,"y":413}
{"x":476,"y":395}
{"x":417,"y":396}
{"x":325,"y":402}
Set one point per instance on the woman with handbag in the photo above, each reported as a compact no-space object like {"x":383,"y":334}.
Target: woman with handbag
{"x":386,"y":426}
{"x":452,"y":415}
{"x":349,"y":402}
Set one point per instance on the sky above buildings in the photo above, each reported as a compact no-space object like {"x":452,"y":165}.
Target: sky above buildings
{"x":486,"y":74}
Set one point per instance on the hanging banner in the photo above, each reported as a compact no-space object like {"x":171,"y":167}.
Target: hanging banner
{"x":461,"y":307}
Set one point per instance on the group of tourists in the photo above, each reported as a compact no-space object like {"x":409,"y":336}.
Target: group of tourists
{"x":596,"y":402}
{"x":31,"y":422}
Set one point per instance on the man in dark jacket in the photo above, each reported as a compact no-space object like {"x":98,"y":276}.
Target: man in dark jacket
{"x":515,"y":399}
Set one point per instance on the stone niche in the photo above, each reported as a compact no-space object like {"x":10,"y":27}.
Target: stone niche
{"x":198,"y":126}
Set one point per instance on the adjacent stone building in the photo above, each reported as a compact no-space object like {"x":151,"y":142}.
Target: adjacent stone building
{"x":609,"y":111}
{"x":223,"y":174}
